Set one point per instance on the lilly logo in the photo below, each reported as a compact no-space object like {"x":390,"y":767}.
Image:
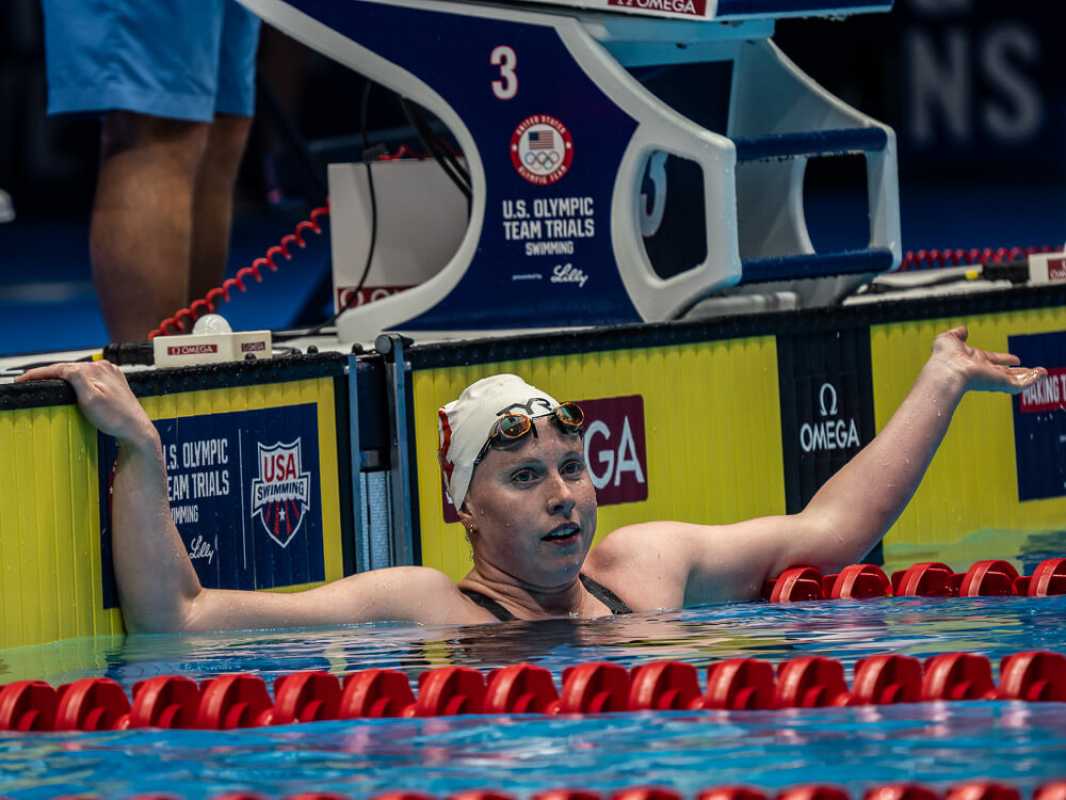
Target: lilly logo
{"x":281,"y":495}
{"x":568,"y":273}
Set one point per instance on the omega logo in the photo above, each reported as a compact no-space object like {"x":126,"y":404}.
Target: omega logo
{"x":611,"y":461}
{"x":831,"y":432}
{"x":830,"y":390}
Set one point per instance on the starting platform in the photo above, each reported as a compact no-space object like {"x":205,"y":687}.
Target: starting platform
{"x":565,"y":154}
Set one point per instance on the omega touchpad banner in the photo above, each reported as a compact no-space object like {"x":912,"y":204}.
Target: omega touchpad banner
{"x":827,"y":408}
{"x":244,"y":490}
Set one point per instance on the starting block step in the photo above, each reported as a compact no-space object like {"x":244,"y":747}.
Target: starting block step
{"x":816,"y":265}
{"x":811,"y":143}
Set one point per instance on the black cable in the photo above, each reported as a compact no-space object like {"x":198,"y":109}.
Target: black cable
{"x":1013,"y":271}
{"x":452,"y":169}
{"x":432,"y":142}
{"x":887,"y":288}
{"x":442,"y":146}
{"x":440,"y":153}
{"x":289,"y":351}
{"x":368,"y":157}
{"x":126,"y":353}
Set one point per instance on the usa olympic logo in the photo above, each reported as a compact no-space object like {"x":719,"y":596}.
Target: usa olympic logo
{"x":542,"y":149}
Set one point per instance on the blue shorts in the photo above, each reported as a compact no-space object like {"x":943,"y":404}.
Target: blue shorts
{"x":180,"y":59}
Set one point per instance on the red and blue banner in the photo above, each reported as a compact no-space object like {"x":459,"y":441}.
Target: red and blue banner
{"x":1040,"y":418}
{"x":244,"y":492}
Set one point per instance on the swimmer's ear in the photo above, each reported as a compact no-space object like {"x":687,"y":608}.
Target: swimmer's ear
{"x":467,"y":519}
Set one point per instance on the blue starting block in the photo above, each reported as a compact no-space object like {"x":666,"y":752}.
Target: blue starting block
{"x":565,"y":149}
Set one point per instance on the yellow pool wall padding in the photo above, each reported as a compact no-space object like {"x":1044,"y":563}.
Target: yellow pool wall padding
{"x":50,"y":586}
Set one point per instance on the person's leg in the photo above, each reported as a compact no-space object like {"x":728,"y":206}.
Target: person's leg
{"x":151,"y":69}
{"x":213,"y":201}
{"x":142,"y":219}
{"x":234,"y":108}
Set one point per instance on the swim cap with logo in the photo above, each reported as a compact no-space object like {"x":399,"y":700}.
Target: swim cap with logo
{"x":464,"y":424}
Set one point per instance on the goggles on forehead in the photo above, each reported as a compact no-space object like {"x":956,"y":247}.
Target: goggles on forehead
{"x":510,"y":429}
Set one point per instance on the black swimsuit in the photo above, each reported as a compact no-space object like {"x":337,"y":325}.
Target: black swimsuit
{"x":600,"y":592}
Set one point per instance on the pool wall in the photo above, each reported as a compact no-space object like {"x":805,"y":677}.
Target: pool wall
{"x":699,"y":421}
{"x":722,"y":421}
{"x":217,"y":429}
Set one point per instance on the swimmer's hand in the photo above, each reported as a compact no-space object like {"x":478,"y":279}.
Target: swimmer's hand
{"x":980,"y":370}
{"x":105,"y":398}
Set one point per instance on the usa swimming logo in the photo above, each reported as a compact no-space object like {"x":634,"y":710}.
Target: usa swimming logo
{"x":281,"y":495}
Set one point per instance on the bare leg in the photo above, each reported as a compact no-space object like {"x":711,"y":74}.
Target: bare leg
{"x":142,"y":219}
{"x":213,"y":203}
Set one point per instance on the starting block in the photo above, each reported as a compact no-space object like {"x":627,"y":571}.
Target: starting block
{"x":567,"y":149}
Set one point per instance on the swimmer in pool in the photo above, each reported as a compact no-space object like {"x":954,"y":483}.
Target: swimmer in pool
{"x":514,"y":467}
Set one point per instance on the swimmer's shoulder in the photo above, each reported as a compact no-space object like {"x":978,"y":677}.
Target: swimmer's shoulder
{"x":644,"y":564}
{"x":664,"y":539}
{"x":416,"y":594}
{"x":705,"y":563}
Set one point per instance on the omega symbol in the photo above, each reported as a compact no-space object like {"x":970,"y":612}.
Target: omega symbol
{"x":827,"y":388}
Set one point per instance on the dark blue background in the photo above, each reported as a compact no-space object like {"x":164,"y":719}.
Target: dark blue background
{"x":1040,"y":451}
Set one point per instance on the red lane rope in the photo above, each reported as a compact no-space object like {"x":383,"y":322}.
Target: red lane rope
{"x":184,"y":318}
{"x":739,"y":684}
{"x":242,"y":700}
{"x":957,"y":256}
{"x":925,"y":579}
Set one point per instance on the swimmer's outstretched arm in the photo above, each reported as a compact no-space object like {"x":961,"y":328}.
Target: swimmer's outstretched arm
{"x":158,"y":587}
{"x":851,"y":512}
{"x":857,"y":506}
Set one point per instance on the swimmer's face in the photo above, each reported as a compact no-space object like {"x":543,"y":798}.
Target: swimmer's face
{"x":532,"y":509}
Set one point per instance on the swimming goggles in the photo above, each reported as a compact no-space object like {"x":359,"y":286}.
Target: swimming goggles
{"x":510,"y":429}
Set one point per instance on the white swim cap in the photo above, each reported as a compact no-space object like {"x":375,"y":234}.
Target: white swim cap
{"x":464,"y":425}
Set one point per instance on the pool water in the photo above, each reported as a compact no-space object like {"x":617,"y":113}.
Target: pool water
{"x":936,"y":743}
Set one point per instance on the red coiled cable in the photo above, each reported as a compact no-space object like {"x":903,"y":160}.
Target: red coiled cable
{"x":184,"y":318}
{"x":954,"y":257}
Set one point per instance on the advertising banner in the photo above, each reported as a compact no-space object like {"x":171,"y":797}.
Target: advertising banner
{"x":244,"y":492}
{"x":827,"y":409}
{"x":1040,"y":418}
